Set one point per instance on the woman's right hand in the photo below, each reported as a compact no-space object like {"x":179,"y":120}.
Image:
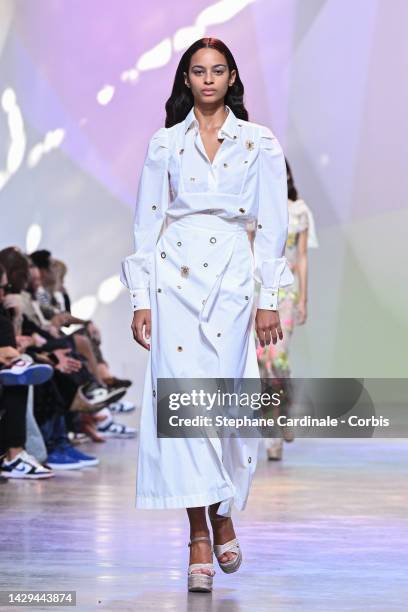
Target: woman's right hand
{"x":142,"y":319}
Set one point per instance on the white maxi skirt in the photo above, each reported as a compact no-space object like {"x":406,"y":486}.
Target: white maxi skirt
{"x":201,"y":293}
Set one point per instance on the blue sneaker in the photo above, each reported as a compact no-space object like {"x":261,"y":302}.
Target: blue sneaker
{"x":72,"y":452}
{"x":59,"y":460}
{"x":22,"y":372}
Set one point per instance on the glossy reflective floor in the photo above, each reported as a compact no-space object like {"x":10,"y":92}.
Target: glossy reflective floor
{"x":325,"y":529}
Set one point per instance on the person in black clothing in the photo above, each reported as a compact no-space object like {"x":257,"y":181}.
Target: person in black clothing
{"x":15,"y":461}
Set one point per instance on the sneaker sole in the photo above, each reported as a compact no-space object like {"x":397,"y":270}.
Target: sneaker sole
{"x":9,"y":475}
{"x":35,"y":375}
{"x":109,"y":434}
{"x":90,"y":463}
{"x":70,"y":466}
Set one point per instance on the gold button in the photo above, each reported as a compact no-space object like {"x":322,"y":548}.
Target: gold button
{"x":154,"y":207}
{"x":205,"y":265}
{"x":213,"y":240}
{"x":181,"y":151}
{"x":162,"y":254}
{"x":225,"y":165}
{"x":241,"y":210}
{"x":260,"y":226}
{"x":179,"y":348}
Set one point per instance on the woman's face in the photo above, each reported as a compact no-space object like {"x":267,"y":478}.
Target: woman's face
{"x":208,"y":76}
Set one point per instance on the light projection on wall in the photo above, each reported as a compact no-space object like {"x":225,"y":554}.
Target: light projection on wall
{"x":17,"y":134}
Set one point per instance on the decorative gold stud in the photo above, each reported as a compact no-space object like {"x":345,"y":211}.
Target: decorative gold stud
{"x":179,"y":348}
{"x":213,"y":240}
{"x":154,"y":207}
{"x":241,"y":210}
{"x":179,"y":243}
{"x":184,"y":271}
{"x":162,"y":254}
{"x":249,"y":145}
{"x":205,"y":265}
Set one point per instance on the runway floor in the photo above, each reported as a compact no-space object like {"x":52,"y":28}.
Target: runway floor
{"x":325,"y":530}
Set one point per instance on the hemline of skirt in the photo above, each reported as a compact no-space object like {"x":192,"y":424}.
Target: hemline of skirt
{"x":184,"y":501}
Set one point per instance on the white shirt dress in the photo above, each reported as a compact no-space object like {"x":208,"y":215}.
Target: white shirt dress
{"x":193,"y":266}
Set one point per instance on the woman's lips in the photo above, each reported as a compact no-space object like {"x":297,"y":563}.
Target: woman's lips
{"x":208,"y":92}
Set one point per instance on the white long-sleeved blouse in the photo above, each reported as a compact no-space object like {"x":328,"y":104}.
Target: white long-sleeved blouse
{"x":246,"y":180}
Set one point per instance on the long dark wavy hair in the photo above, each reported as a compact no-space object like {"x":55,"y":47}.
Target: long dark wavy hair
{"x":292,"y":191}
{"x":182,"y":100}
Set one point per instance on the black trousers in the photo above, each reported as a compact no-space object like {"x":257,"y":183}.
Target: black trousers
{"x":13,"y":407}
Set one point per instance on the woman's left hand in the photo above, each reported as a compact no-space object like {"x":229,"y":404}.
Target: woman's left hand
{"x":267,"y":326}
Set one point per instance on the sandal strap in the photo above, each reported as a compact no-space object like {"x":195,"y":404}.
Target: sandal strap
{"x":201,"y":566}
{"x":231,"y":546}
{"x":199,"y":538}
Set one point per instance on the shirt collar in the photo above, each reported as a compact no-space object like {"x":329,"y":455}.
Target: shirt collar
{"x":229,"y":127}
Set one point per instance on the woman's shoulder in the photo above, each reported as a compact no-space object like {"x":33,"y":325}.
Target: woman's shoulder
{"x":263,"y":135}
{"x":163,"y":137}
{"x":263,"y":131}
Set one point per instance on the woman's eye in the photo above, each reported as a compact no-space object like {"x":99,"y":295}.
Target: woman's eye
{"x":199,"y":72}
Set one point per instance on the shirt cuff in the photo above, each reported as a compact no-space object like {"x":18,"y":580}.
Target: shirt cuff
{"x":268,"y":298}
{"x":140,"y":299}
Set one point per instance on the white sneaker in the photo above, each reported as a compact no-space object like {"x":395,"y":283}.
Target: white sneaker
{"x":122,"y":406}
{"x":111,"y":429}
{"x":24,"y":466}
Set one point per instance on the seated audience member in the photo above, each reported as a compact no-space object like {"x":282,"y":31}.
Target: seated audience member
{"x":53,"y":299}
{"x":15,"y":462}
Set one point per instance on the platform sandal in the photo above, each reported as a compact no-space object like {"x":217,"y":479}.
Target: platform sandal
{"x":231,"y":566}
{"x":197,"y":581}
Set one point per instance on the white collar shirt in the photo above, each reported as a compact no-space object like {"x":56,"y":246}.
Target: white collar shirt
{"x":246,"y":180}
